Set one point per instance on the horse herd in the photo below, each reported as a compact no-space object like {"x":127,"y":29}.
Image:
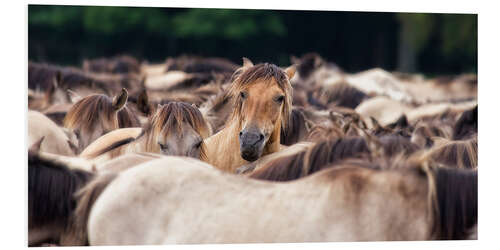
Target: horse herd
{"x":201,"y":150}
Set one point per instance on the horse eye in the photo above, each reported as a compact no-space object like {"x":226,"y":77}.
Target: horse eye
{"x":280,"y":99}
{"x":162,"y":146}
{"x":243,"y":95}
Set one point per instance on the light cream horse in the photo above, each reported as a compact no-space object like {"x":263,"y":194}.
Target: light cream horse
{"x":179,"y":200}
{"x":262,"y":97}
{"x":57,"y":140}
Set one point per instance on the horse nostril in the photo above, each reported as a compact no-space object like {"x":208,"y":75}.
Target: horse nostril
{"x":241,"y":133}
{"x":261,"y":137}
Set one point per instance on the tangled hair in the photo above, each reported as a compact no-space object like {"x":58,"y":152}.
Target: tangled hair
{"x":245,"y":77}
{"x":456,"y":154}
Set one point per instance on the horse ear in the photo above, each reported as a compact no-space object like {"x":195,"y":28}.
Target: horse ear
{"x":290,"y":71}
{"x":247,"y":62}
{"x":35,"y":147}
{"x":120,"y":100}
{"x":373,"y":143}
{"x":74,"y":97}
{"x":143,"y":102}
{"x":143,"y":82}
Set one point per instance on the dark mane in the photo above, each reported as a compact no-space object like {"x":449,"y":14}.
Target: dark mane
{"x":246,"y":76}
{"x":296,"y":129}
{"x":455,"y":206}
{"x":113,"y":146}
{"x":466,"y":126}
{"x":50,"y":191}
{"x":127,"y":118}
{"x":344,"y":95}
{"x":312,"y":160}
{"x":117,"y":65}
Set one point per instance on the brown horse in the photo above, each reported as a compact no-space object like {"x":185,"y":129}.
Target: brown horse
{"x":175,"y":129}
{"x":262,"y":97}
{"x":336,"y":204}
{"x":98,"y":114}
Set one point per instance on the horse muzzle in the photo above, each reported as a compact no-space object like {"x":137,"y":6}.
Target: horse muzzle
{"x":251,"y":144}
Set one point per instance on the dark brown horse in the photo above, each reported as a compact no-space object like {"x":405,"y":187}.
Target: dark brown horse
{"x":51,"y":186}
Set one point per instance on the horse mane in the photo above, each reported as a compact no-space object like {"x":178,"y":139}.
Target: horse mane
{"x":466,"y":125}
{"x":244,"y":77}
{"x":454,"y":203}
{"x":296,"y":129}
{"x":86,"y":198}
{"x":112,"y":148}
{"x":455,"y":153}
{"x":83,"y":114}
{"x":344,"y":95}
{"x":127,"y":118}
{"x":51,"y":186}
{"x":321,"y":155}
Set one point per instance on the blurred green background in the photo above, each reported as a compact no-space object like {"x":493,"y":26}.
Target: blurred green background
{"x":409,"y":42}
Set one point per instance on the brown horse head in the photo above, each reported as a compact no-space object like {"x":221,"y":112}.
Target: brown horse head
{"x":94,"y":116}
{"x":177,"y":128}
{"x":262,"y":97}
